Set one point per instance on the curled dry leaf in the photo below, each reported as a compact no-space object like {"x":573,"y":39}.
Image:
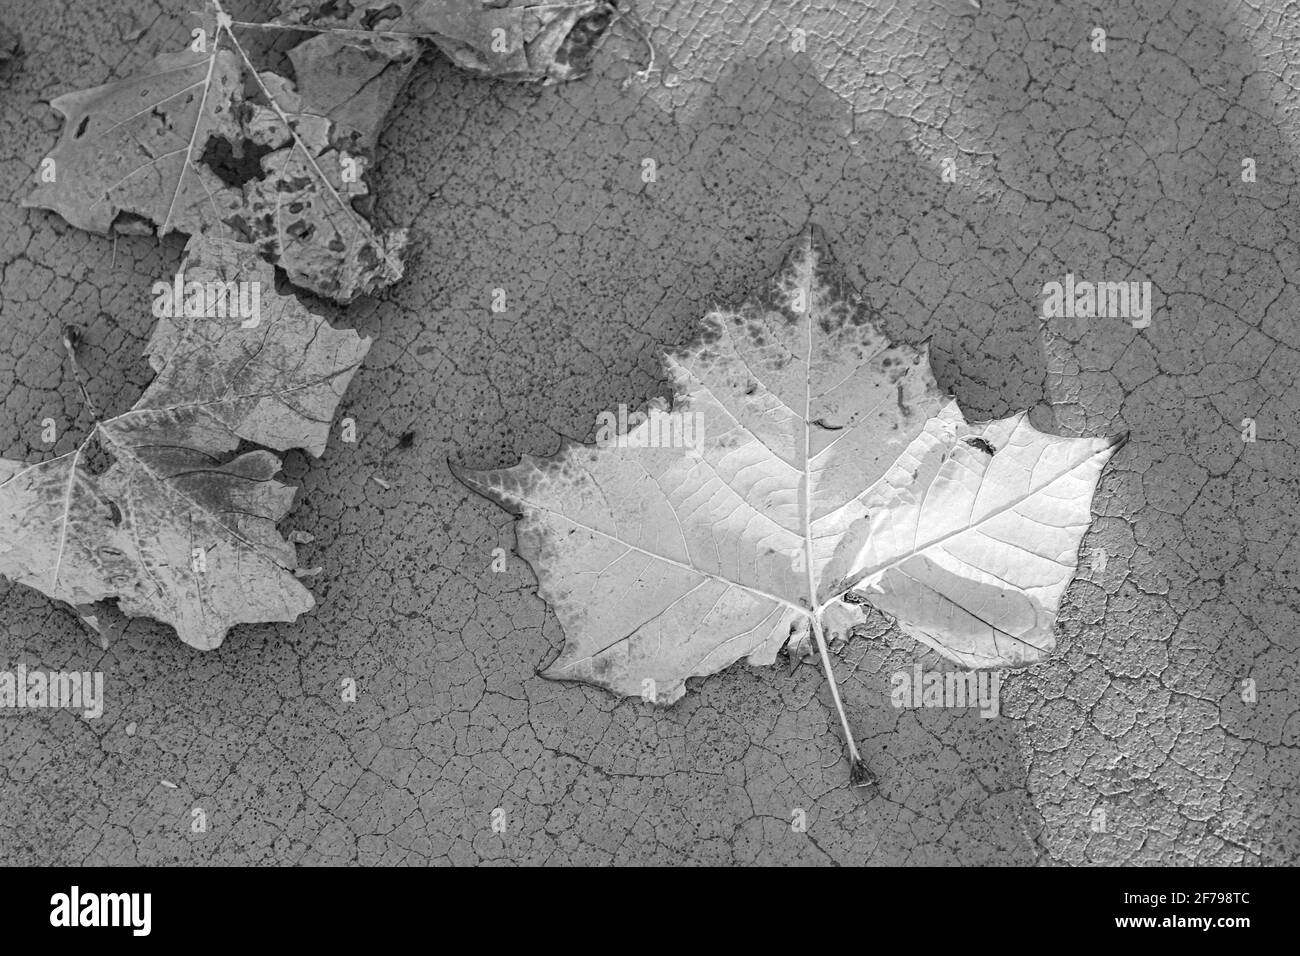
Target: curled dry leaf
{"x":201,"y":142}
{"x":182,"y":528}
{"x":824,"y":464}
{"x":509,"y":39}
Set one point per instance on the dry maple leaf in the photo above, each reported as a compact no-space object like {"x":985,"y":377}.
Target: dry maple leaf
{"x":184,"y":146}
{"x":508,"y":39}
{"x":826,"y":469}
{"x":181,"y":528}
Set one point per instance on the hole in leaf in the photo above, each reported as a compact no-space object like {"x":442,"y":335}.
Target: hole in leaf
{"x":371,"y":17}
{"x":129,"y":224}
{"x":578,"y":46}
{"x":981,"y":444}
{"x":234,"y":166}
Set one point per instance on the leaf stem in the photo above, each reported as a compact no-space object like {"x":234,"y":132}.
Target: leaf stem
{"x":858,"y":775}
{"x":69,"y":345}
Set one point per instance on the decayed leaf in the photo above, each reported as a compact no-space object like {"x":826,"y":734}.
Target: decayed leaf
{"x":830,"y":465}
{"x":510,"y":39}
{"x":183,"y":145}
{"x":180,"y":528}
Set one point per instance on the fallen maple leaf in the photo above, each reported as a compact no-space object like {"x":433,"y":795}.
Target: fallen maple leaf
{"x":508,"y":39}
{"x":179,"y":528}
{"x":183,"y":146}
{"x":827,"y":470}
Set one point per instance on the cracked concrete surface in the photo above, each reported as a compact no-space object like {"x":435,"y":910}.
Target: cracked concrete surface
{"x":1119,"y":165}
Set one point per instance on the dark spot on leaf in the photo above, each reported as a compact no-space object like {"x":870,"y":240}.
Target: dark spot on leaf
{"x":332,"y":8}
{"x":234,"y":165}
{"x":81,"y":128}
{"x":578,"y":46}
{"x":821,"y":423}
{"x":902,"y":405}
{"x":129,"y":224}
{"x":371,"y":17}
{"x":981,"y":444}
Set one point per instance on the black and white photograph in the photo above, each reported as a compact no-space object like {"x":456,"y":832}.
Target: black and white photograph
{"x":651,"y":433}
